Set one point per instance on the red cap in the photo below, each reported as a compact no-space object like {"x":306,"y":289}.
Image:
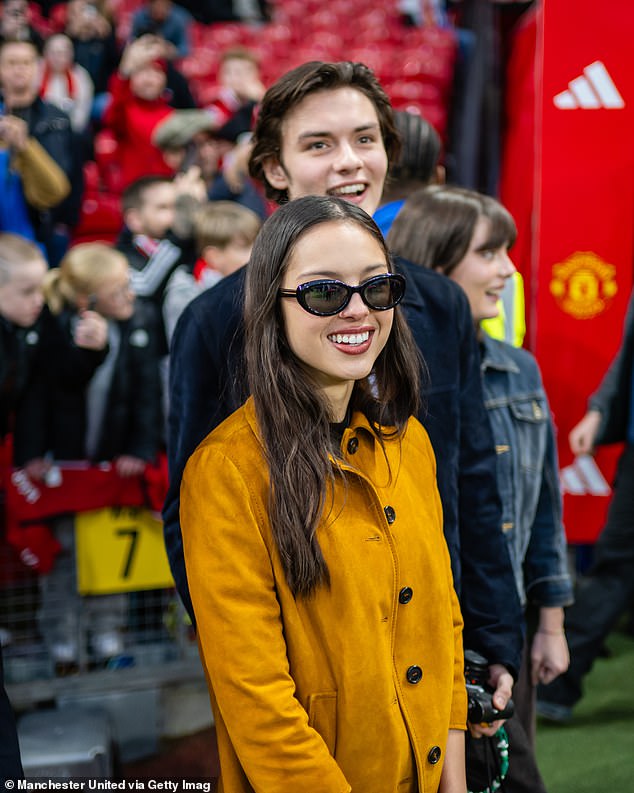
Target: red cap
{"x":159,"y":63}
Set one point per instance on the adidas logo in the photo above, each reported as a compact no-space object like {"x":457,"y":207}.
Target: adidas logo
{"x":592,"y":90}
{"x":583,"y":478}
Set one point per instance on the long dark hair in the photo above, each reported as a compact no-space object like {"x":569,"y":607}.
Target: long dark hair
{"x":292,"y":88}
{"x":436,"y":225}
{"x":293,"y":415}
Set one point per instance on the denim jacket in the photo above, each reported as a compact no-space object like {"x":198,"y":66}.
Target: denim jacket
{"x":527,"y":470}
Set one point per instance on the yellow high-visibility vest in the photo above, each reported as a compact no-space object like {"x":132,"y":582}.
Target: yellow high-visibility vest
{"x":510,"y":323}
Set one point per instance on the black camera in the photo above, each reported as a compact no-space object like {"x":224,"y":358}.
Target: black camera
{"x":479,"y":693}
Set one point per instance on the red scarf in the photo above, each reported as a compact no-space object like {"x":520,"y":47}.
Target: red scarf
{"x":146,"y":245}
{"x":71,"y":86}
{"x":199,"y":268}
{"x":30,"y":505}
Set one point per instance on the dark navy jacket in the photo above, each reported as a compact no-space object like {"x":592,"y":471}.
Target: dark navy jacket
{"x":205,"y":370}
{"x":132,"y":422}
{"x":613,"y":398}
{"x":18,"y":352}
{"x":10,"y":762}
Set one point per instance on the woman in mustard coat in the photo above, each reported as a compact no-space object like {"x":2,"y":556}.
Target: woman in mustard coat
{"x":328,"y":626}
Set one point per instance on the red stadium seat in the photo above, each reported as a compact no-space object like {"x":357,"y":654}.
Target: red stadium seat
{"x":57,"y":16}
{"x":92,"y":180}
{"x":201,"y":62}
{"x":107,"y":159}
{"x":275,"y":34}
{"x":413,"y":90}
{"x":227,"y":34}
{"x":205,"y":90}
{"x":380,"y":57}
{"x":101,"y":218}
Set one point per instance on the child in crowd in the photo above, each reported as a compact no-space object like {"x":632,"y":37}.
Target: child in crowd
{"x":146,"y":240}
{"x":34,"y":356}
{"x":136,"y":106}
{"x":240,"y":88}
{"x":29,"y":343}
{"x":224,"y":233}
{"x":22,"y":271}
{"x":115,"y":418}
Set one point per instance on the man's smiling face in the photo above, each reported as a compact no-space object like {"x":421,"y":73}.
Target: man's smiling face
{"x":332,"y":145}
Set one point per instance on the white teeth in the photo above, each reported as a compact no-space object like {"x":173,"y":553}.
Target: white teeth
{"x":354,"y":338}
{"x":348,"y":189}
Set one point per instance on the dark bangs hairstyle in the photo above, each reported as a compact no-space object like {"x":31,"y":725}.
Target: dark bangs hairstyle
{"x":436,"y":225}
{"x":293,"y":414}
{"x":296,"y":85}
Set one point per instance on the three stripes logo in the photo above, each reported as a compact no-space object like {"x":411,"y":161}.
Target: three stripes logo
{"x":592,"y":90}
{"x":583,"y":478}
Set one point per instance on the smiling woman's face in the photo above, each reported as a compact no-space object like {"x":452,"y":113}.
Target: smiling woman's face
{"x":482,"y":273}
{"x":332,"y":145}
{"x":336,"y":350}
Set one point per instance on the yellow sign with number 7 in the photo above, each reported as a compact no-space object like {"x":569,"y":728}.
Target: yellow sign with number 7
{"x":120,"y":549}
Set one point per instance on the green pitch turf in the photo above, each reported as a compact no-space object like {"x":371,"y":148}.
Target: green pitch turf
{"x":594,"y":753}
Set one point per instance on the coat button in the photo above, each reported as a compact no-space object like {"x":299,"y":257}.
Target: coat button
{"x":405,"y":595}
{"x":390,"y":513}
{"x":433,"y":755}
{"x":353,"y":445}
{"x":414,"y":675}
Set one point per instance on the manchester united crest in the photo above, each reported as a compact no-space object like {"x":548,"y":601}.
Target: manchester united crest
{"x":583,"y":285}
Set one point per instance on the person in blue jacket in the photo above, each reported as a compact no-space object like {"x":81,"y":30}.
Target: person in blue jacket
{"x":418,"y":165}
{"x":50,"y":127}
{"x":328,"y":128}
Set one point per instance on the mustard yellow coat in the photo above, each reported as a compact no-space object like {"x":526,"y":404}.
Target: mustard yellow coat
{"x":355,"y":688}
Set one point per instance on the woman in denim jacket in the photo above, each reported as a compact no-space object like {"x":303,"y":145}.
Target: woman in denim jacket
{"x":466,"y":236}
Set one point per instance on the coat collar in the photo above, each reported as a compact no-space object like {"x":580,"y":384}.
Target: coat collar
{"x":495,"y":356}
{"x":370,"y":460}
{"x":359,"y":425}
{"x":358,"y":422}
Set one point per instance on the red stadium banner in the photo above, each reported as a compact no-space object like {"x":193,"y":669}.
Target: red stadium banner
{"x":582,"y":248}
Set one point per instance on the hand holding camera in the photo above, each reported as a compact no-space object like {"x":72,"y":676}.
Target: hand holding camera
{"x":480,"y":694}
